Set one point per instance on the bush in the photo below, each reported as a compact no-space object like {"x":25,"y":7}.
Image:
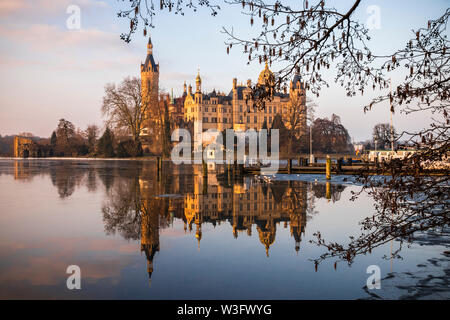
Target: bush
{"x":105,"y":145}
{"x":129,"y":148}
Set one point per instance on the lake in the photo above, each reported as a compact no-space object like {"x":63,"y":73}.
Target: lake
{"x":136,"y":233}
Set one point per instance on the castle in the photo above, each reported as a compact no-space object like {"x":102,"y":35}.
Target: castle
{"x":216,"y":110}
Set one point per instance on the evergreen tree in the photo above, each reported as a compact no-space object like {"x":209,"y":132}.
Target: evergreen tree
{"x":105,"y":144}
{"x":53,"y":139}
{"x":53,"y":142}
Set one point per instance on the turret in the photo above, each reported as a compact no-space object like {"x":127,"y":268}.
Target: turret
{"x":149,"y":46}
{"x":198,"y":89}
{"x":198,"y":83}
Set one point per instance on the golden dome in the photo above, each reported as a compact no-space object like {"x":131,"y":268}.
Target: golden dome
{"x":267,"y":236}
{"x":266,"y":76}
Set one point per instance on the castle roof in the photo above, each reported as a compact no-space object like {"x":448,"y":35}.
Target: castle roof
{"x":297,"y":82}
{"x":150,"y":64}
{"x":266,"y":76}
{"x":239,"y":90}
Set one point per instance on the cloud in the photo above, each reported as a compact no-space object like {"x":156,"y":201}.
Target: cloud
{"x":50,"y":37}
{"x":10,"y":6}
{"x":37,"y":8}
{"x":59,"y":48}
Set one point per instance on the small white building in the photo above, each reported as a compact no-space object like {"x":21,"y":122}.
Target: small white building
{"x":387,"y":155}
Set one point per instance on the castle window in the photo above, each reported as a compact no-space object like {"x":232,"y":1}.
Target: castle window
{"x":240,"y":108}
{"x":270,"y":120}
{"x":205,"y":119}
{"x":240,"y":119}
{"x":255,"y":119}
{"x":274,"y":109}
{"x":270,"y":109}
{"x":248,"y":119}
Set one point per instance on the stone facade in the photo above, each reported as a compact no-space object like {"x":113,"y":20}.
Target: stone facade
{"x":217,"y":110}
{"x":234,"y":111}
{"x":23,"y":147}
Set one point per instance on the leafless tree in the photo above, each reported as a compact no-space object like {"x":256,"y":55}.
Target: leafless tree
{"x":295,"y":118}
{"x":314,"y":37}
{"x":142,"y":12}
{"x":382,"y":135}
{"x":125,"y":108}
{"x":330,"y":136}
{"x":311,"y":37}
{"x":91,"y":135}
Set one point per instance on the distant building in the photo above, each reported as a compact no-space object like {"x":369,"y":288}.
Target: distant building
{"x":358,"y":147}
{"x":216,"y":110}
{"x":235,"y":111}
{"x":150,"y":91}
{"x":387,"y":155}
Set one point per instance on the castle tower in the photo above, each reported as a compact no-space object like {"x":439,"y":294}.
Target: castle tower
{"x":198,"y":89}
{"x":297,"y":96}
{"x":149,"y":229}
{"x":184,"y":89}
{"x":198,"y":83}
{"x":150,"y":88}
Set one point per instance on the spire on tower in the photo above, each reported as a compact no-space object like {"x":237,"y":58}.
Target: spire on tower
{"x":149,"y":46}
{"x":198,"y":82}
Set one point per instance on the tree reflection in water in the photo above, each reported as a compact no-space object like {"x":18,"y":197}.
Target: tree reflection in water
{"x":141,"y":202}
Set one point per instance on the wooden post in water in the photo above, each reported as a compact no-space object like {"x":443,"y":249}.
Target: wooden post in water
{"x":205,"y":176}
{"x":289,"y":165}
{"x":328,"y":190}
{"x":158,"y":168}
{"x":328,"y":168}
{"x":204,"y":168}
{"x":299,"y":161}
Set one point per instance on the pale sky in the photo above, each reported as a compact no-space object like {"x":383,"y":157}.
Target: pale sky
{"x":50,"y":72}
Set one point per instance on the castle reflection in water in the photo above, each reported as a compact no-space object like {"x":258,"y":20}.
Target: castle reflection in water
{"x":141,"y":200}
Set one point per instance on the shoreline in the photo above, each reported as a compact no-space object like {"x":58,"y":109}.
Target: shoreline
{"x":152,"y":158}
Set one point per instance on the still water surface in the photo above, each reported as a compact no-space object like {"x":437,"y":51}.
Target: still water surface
{"x":139,"y":234}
